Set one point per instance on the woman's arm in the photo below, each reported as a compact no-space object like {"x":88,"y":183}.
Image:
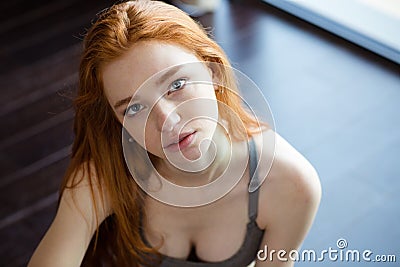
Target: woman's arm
{"x":66,"y":241}
{"x":289,"y":199}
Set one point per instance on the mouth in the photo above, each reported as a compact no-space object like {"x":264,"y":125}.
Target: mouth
{"x":184,"y":140}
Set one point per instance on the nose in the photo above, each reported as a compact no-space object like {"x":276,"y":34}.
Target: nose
{"x":165,"y":115}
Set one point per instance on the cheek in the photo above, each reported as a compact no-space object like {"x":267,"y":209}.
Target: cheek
{"x":205,"y":90}
{"x":200,"y":102}
{"x":133,"y":133}
{"x":136,"y":130}
{"x":148,"y":140}
{"x":152,"y":138}
{"x":140,"y":128}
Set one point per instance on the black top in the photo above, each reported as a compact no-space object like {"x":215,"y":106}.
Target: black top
{"x":251,"y":244}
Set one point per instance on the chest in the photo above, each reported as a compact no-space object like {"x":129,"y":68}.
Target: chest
{"x":215,"y":231}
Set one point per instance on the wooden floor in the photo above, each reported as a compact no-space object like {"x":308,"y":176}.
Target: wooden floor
{"x":337,"y":103}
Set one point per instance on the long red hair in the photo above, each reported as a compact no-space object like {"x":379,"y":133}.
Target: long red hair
{"x":97,"y":142}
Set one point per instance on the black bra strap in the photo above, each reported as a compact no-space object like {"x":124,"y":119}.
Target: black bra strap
{"x":253,"y":196}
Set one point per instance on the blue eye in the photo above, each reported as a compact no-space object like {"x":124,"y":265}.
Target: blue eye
{"x":177,"y":85}
{"x":133,"y":109}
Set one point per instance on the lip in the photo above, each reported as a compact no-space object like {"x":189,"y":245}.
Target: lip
{"x":185,"y":139}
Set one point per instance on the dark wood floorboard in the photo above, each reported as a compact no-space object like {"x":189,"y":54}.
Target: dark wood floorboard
{"x":334,"y":101}
{"x":39,"y":50}
{"x":20,"y":238}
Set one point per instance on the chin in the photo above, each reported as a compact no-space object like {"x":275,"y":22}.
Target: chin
{"x":192,"y":155}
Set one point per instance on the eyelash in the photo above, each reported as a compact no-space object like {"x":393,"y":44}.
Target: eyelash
{"x":129,"y":108}
{"x":182,"y":83}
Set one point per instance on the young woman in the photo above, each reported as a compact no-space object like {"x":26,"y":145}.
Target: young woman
{"x":157,"y":102}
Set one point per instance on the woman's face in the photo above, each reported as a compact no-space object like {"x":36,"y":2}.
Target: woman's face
{"x":165,"y":98}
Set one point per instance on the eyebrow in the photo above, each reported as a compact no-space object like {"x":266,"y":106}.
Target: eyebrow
{"x":122,"y":102}
{"x":170,"y":72}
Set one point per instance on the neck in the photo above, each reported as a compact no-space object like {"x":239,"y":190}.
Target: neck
{"x":205,"y":175}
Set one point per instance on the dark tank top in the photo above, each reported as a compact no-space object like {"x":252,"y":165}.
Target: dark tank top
{"x":247,"y":252}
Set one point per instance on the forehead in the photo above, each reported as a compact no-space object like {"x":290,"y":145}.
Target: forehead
{"x":124,"y":75}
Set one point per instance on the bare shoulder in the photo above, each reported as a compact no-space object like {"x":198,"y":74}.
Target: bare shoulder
{"x":291,"y":182}
{"x":87,"y":194}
